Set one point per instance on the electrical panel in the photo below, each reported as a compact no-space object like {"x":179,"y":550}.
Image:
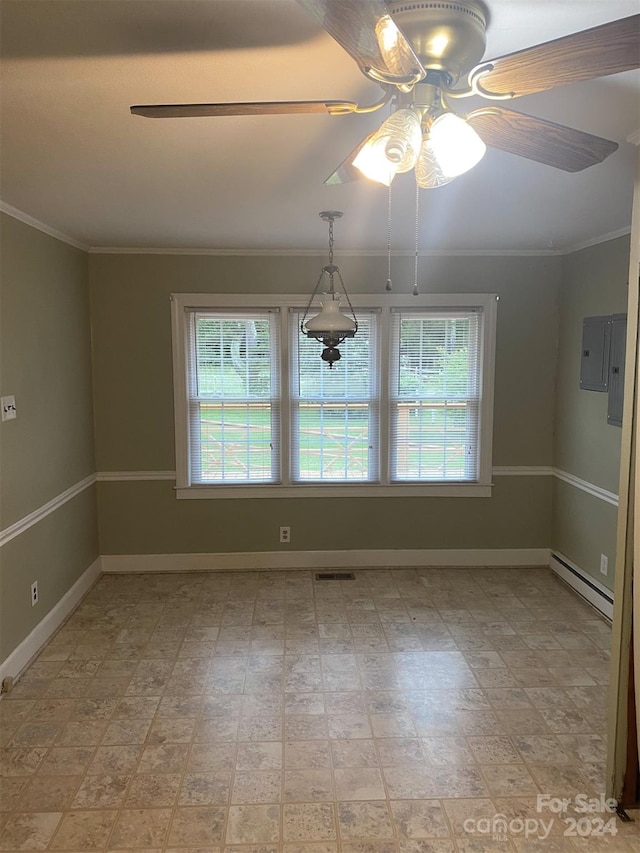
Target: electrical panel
{"x":594,"y":358}
{"x":617,"y":348}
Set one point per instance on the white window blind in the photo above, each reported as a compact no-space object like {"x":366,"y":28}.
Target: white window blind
{"x":435,"y":395}
{"x":335,"y":412}
{"x":233,"y":396}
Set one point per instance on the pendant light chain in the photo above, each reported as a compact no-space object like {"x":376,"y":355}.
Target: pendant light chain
{"x":415,"y":269}
{"x":330,"y":240}
{"x":389,"y":284}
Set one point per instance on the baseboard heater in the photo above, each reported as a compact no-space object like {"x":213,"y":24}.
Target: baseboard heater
{"x":587,"y":587}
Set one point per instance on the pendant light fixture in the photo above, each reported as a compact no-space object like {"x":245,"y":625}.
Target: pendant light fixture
{"x":330,"y":327}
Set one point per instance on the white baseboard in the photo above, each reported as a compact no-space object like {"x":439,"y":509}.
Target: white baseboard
{"x":44,"y":630}
{"x":587,"y":586}
{"x":278,"y":560}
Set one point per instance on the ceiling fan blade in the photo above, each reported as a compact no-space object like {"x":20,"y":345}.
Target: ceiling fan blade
{"x":537,"y":139}
{"x":243,"y":109}
{"x":346,"y":171}
{"x":598,"y":52}
{"x":369,"y":34}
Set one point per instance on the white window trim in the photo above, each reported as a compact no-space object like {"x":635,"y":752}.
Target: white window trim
{"x":181,"y":302}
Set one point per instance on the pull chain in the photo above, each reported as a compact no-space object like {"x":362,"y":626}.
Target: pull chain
{"x":415,"y":269}
{"x":389,"y":284}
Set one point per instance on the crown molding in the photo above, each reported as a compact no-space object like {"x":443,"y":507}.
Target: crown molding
{"x":594,"y":241}
{"x":15,"y":213}
{"x":320,"y":253}
{"x":41,"y":226}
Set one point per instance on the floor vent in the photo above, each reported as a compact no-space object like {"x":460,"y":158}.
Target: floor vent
{"x":335,"y":576}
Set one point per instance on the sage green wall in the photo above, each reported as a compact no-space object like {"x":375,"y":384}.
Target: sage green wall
{"x":45,"y":361}
{"x":130,"y":313}
{"x":594,"y":282}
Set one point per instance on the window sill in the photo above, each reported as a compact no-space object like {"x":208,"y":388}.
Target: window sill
{"x":337,"y":490}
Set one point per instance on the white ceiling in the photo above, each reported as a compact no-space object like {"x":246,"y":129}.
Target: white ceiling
{"x":74,"y":158}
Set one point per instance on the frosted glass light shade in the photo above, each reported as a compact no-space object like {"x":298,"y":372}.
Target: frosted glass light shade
{"x":455,"y":144}
{"x":330,"y":321}
{"x":392,"y":149}
{"x":428,"y":172}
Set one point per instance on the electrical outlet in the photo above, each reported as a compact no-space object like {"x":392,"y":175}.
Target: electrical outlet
{"x":34,"y":593}
{"x":9,"y":411}
{"x":604,"y":564}
{"x":285,"y":535}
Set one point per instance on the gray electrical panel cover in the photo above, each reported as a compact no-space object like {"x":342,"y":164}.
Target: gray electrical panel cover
{"x":594,"y":357}
{"x":616,"y":368}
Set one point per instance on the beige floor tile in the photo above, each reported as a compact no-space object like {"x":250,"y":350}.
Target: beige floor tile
{"x":12,"y":789}
{"x":369,"y":820}
{"x":101,"y":792}
{"x":259,"y":755}
{"x":360,"y":752}
{"x":568,"y":721}
{"x":67,"y":761}
{"x":15,"y":709}
{"x":251,"y":824}
{"x":304,"y":703}
{"x":431,"y":845}
{"x":461,"y":810}
{"x":446,"y":750}
{"x":301,"y":847}
{"x":31,"y":831}
{"x":559,"y":779}
{"x":360,"y":783}
{"x":48,"y":793}
{"x":341,"y":702}
{"x":423,"y":692}
{"x":114,"y":759}
{"x":84,"y":830}
{"x":541,"y":749}
{"x":423,"y":819}
{"x":35,"y":734}
{"x":257,"y":786}
{"x":303,"y":755}
{"x":308,"y":727}
{"x":260,"y":727}
{"x":212,"y":756}
{"x":146,"y":791}
{"x":306,"y":786}
{"x":493,"y":750}
{"x":522,"y":722}
{"x":308,"y":822}
{"x":126,"y":732}
{"x":349,"y":726}
{"x":141,"y":828}
{"x":21,"y":761}
{"x":163,"y":758}
{"x":392,"y":725}
{"x":87,"y":733}
{"x":509,"y":780}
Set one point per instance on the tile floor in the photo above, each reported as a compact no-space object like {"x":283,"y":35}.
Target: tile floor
{"x":262,"y":712}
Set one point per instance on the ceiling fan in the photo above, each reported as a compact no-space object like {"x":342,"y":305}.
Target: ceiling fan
{"x":419,"y":52}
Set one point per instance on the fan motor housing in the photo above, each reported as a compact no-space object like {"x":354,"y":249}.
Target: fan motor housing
{"x":449,"y":37}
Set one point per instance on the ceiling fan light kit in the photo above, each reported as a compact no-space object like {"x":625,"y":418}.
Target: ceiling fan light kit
{"x":393,"y":148}
{"x":455,"y":145}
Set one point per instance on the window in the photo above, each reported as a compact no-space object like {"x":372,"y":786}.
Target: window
{"x":407,"y":410}
{"x":435,"y":396}
{"x":234,"y":400}
{"x":334,"y":412}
